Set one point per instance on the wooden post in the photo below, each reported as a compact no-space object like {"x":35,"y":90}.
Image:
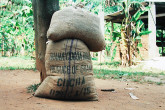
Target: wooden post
{"x":42,"y":12}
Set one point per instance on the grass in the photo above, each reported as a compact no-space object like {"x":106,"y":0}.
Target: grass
{"x":106,"y":70}
{"x":118,"y":74}
{"x":13,"y":63}
{"x":113,"y":70}
{"x":114,"y":63}
{"x":32,"y":88}
{"x":159,"y":83}
{"x":150,"y":82}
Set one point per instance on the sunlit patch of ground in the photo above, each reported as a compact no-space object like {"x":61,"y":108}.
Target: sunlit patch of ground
{"x":12,"y":63}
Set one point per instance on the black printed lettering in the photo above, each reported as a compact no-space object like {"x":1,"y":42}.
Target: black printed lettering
{"x":71,"y":82}
{"x":83,"y":81}
{"x":64,"y":69}
{"x":70,"y":56}
{"x":76,"y":94}
{"x":52,"y":92}
{"x":59,"y":82}
{"x":86,"y":91}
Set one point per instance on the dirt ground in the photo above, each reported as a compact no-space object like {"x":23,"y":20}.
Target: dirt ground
{"x":14,"y":96}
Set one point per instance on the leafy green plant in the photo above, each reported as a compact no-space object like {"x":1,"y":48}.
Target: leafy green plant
{"x":16,"y":27}
{"x":159,"y":83}
{"x":129,"y":35}
{"x":94,"y":58}
{"x":32,"y":88}
{"x":114,"y":53}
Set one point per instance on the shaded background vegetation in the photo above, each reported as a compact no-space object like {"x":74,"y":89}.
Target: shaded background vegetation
{"x":17,"y":26}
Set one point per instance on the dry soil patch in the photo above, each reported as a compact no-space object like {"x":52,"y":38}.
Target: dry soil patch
{"x":13,"y":95}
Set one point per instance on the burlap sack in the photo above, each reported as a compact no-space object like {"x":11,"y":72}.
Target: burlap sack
{"x":69,"y":70}
{"x":75,"y":23}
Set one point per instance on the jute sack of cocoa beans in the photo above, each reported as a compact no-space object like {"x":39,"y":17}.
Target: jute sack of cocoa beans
{"x":69,"y":72}
{"x":76,"y":23}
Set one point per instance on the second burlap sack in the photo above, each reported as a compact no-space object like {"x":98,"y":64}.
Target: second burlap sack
{"x":69,"y":72}
{"x":76,"y":23}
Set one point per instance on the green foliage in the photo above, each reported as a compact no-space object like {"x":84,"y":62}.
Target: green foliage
{"x":112,"y":6}
{"x":137,"y":15}
{"x":140,"y":45}
{"x":113,"y":64}
{"x":114,"y":53}
{"x":110,"y":10}
{"x":160,"y":33}
{"x":16,"y":30}
{"x":94,"y":58}
{"x":160,"y":36}
{"x":107,"y":34}
{"x":116,"y":35}
{"x":33,"y":88}
{"x":159,"y":83}
{"x":91,"y":5}
{"x":144,"y":33}
{"x":111,"y":37}
{"x":130,"y":32}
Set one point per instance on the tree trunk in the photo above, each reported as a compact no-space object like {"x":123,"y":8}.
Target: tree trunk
{"x":42,"y":12}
